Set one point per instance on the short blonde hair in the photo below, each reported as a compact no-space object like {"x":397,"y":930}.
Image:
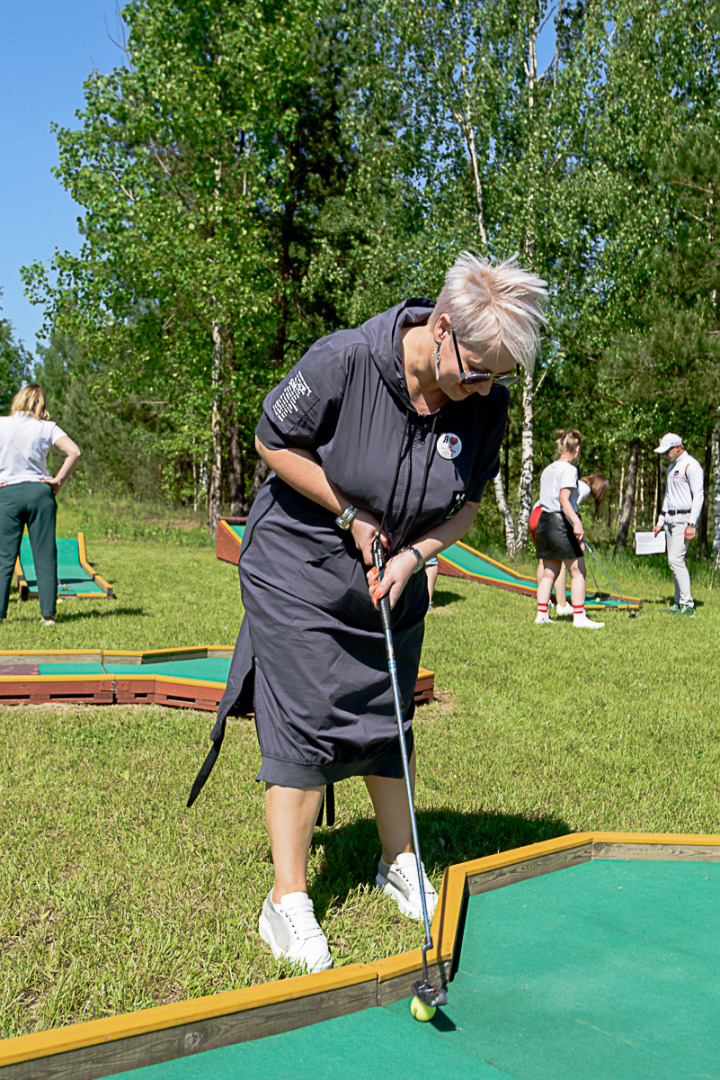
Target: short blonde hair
{"x":494,"y":306}
{"x":31,"y":400}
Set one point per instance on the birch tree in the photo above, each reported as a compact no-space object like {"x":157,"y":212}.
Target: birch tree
{"x":497,"y":168}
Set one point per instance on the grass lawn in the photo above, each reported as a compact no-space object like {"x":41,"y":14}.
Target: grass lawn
{"x":113,"y":896}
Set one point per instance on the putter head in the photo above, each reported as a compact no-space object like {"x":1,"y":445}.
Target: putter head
{"x":428,"y":995}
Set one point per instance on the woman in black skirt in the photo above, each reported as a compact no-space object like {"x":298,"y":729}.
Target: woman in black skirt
{"x":559,"y":532}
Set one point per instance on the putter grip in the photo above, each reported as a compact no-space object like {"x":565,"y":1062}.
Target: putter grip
{"x":379,"y":560}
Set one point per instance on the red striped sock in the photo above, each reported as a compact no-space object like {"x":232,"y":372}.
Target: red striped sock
{"x":578,"y":610}
{"x":542,"y":608}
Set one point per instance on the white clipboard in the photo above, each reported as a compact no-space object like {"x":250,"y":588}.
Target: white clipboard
{"x":646,"y":543}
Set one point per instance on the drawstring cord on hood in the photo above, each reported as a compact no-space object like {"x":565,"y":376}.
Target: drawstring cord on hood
{"x":423,"y":487}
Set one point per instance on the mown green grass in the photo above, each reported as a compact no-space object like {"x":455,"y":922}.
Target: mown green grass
{"x":114,"y":896}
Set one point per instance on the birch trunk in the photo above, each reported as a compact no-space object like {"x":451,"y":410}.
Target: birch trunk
{"x":508,"y":523}
{"x":527,"y":438}
{"x":516,"y":538}
{"x":526,"y":463}
{"x":716,"y":492}
{"x":702,"y":525}
{"x":215,"y":498}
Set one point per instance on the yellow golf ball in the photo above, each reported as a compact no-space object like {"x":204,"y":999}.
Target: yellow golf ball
{"x":421,"y":1011}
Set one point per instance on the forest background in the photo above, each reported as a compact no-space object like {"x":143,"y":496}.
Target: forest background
{"x":257,"y":175}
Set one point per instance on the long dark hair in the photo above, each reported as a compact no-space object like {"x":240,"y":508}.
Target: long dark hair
{"x":598,"y":488}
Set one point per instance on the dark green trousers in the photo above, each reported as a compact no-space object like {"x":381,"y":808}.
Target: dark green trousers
{"x":31,"y":504}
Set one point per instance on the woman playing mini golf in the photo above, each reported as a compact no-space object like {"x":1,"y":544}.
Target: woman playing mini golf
{"x":595,"y":485}
{"x":559,"y":532}
{"x":391,"y":429}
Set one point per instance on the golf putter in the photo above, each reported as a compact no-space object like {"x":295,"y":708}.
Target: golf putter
{"x":631,"y":614}
{"x":422,"y":990}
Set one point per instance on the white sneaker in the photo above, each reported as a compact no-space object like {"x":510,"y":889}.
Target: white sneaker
{"x":564,"y":609}
{"x":544,"y":620}
{"x":587,"y":624}
{"x":293,"y":933}
{"x":400,"y":880}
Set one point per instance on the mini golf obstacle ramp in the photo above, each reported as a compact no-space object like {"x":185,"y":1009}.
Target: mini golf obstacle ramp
{"x":193,"y":678}
{"x":461,"y":560}
{"x":76,"y":577}
{"x":228,"y":538}
{"x":589,"y":957}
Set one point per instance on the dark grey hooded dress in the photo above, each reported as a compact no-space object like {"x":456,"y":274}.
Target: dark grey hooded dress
{"x":310,"y":659}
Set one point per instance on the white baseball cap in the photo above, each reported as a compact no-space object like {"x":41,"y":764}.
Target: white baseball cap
{"x":667,"y":442}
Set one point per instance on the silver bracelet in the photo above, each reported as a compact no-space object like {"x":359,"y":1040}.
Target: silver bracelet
{"x":346,"y":518}
{"x":418,"y":556}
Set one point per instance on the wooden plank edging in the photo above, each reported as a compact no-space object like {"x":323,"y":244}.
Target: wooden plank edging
{"x":173,"y":689}
{"x":90,"y":571}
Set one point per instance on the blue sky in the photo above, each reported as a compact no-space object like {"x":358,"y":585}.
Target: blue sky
{"x":49,"y":47}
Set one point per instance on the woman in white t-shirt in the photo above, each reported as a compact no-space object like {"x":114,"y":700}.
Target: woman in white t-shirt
{"x":27,"y":493}
{"x":595,"y":485}
{"x":559,"y":532}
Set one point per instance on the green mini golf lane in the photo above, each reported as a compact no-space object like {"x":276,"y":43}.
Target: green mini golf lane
{"x":480,"y":567}
{"x":72,"y":579}
{"x":609,"y":970}
{"x":487,"y":571}
{"x":207,"y":669}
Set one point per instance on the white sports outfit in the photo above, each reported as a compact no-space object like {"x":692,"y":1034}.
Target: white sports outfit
{"x":681,"y":507}
{"x":558,"y":475}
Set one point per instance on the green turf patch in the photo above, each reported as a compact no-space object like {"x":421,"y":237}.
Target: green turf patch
{"x":371,"y":1043}
{"x":605,"y":969}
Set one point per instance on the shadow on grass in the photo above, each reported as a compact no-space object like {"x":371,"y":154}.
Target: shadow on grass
{"x":445,"y":597}
{"x":446,"y":837}
{"x":112,"y":612}
{"x":664,"y":604}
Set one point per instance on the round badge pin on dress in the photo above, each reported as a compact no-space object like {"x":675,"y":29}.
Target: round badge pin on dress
{"x":449,"y":446}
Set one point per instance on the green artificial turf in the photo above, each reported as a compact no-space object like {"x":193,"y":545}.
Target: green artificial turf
{"x":72,"y":578}
{"x":113,"y":896}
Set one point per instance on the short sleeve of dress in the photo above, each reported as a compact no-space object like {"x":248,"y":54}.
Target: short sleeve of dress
{"x":302,"y":410}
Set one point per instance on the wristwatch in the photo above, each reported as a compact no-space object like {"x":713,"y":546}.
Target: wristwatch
{"x":418,"y":557}
{"x":345,"y":520}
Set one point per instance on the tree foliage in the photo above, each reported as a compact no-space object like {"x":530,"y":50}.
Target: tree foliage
{"x":14,"y":364}
{"x":210,"y":168}
{"x":256,"y":175}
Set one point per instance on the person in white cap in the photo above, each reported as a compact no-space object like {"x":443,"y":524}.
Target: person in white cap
{"x":680,"y":511}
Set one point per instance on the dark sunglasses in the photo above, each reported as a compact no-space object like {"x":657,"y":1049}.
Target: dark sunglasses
{"x":472,"y":378}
